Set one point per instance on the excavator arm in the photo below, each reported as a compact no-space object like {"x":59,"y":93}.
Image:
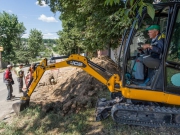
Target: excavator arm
{"x":73,"y":60}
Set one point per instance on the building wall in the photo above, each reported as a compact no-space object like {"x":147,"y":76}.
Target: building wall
{"x":115,"y":54}
{"x":102,"y":53}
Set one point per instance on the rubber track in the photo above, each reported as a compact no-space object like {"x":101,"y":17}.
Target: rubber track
{"x":142,"y":108}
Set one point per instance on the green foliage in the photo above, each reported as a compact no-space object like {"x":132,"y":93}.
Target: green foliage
{"x":12,"y":30}
{"x":55,"y":49}
{"x":35,"y":42}
{"x":174,"y":50}
{"x":17,"y":49}
{"x":150,"y":10}
{"x":50,"y":41}
{"x":93,"y":25}
{"x":22,"y":56}
{"x":50,"y":47}
{"x":89,"y":25}
{"x":132,"y":5}
{"x":46,"y":50}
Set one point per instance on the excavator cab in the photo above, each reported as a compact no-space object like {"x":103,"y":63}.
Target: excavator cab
{"x":149,"y":101}
{"x":166,"y":69}
{"x":136,"y":69}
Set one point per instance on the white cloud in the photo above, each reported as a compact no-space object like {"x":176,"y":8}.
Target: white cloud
{"x":10,"y":11}
{"x":47,"y":19}
{"x":25,"y":35}
{"x":42,"y":4}
{"x":49,"y":36}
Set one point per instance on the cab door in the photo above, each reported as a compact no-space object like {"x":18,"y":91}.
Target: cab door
{"x":172,"y":57}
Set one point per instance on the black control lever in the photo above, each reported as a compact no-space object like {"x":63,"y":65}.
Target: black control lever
{"x":140,"y":46}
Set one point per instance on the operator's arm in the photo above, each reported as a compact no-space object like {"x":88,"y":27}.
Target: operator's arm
{"x":157,"y":48}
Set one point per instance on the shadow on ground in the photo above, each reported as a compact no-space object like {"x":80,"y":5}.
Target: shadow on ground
{"x":34,"y":120}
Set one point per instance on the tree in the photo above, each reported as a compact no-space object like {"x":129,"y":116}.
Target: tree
{"x":12,"y":29}
{"x":35,"y":42}
{"x":88,"y":25}
{"x":23,"y":54}
{"x":95,"y":24}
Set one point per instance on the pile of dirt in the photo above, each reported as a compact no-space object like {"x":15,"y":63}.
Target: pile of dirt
{"x":69,"y":90}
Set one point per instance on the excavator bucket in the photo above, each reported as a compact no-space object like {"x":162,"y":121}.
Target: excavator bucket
{"x":20,"y":106}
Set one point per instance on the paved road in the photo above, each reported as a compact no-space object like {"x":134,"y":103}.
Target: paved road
{"x":6,"y":106}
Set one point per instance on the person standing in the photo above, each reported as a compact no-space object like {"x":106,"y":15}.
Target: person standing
{"x":8,"y":80}
{"x":20,"y":75}
{"x":30,"y":75}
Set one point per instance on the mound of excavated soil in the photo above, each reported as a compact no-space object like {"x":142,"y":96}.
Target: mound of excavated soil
{"x":70,"y":89}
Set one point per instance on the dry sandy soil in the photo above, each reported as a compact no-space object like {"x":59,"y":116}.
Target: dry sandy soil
{"x":71,"y":89}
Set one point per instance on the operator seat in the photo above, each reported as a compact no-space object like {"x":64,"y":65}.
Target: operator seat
{"x":151,"y":62}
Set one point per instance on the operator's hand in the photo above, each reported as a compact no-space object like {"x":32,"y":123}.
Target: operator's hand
{"x":146,"y":46}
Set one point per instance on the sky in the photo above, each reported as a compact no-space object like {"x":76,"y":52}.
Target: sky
{"x":34,"y":16}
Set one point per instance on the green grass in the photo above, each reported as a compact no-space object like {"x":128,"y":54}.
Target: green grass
{"x":33,"y":121}
{"x":170,"y":73}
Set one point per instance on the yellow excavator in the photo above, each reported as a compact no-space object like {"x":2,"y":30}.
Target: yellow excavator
{"x":150,"y":103}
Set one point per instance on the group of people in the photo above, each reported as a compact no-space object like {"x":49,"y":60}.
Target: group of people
{"x":8,"y":79}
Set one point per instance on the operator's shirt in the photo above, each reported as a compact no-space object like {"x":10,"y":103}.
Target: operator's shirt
{"x":157,"y":46}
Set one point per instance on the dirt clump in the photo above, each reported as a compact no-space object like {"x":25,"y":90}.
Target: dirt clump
{"x":68,"y":90}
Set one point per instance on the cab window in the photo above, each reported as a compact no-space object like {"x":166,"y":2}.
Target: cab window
{"x":173,"y":57}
